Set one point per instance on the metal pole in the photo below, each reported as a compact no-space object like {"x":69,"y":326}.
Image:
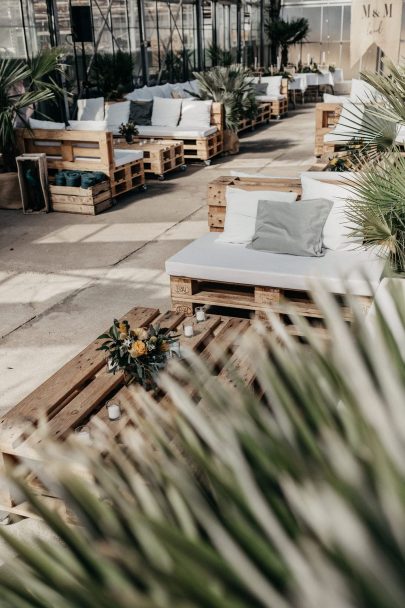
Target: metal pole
{"x":24,"y":30}
{"x":198,"y":23}
{"x":238,"y":32}
{"x":142,"y":41}
{"x":261,"y":51}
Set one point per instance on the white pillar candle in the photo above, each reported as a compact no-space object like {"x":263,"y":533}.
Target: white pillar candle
{"x":308,"y":59}
{"x":323,"y":58}
{"x":83,"y":435}
{"x":188,"y":330}
{"x":114,"y":410}
{"x":200,"y":314}
{"x":175,"y":349}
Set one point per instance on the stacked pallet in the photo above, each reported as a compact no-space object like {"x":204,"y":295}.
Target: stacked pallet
{"x":326,"y":118}
{"x":88,"y":201}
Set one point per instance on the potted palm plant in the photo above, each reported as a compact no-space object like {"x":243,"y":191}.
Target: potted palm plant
{"x":283,"y":33}
{"x":23,"y":83}
{"x":233,"y":87}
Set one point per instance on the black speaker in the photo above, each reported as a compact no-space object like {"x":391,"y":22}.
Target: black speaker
{"x":81,"y":24}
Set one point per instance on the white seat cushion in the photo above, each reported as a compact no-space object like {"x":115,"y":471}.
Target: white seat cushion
{"x":177,"y":132}
{"x":349,"y":124}
{"x":270,"y":97}
{"x":195,"y":114}
{"x":46,"y":124}
{"x":327,"y":98}
{"x":143,"y":94}
{"x":87,"y":125}
{"x":166,"y":112}
{"x":208,"y":259}
{"x":361,"y":91}
{"x":117,"y":114}
{"x":121,"y":157}
{"x":90,"y":109}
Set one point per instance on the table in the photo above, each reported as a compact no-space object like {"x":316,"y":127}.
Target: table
{"x":159,"y":156}
{"x":76,"y":395}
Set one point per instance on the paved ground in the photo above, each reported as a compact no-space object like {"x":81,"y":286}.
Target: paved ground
{"x":64,"y":277}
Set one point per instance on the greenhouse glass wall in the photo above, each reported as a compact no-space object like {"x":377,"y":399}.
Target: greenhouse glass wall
{"x":170,"y":39}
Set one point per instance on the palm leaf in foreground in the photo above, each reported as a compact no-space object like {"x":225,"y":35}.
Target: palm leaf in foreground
{"x":292,"y":500}
{"x":377,"y":211}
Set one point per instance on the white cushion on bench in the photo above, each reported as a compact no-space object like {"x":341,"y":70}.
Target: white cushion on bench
{"x":178,"y":132}
{"x":210,"y":260}
{"x":121,"y":157}
{"x":267,"y":98}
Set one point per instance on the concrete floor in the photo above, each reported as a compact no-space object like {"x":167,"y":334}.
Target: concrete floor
{"x":64,"y":277}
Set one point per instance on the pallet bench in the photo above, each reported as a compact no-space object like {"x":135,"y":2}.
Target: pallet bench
{"x":262,"y":117}
{"x":189,"y":291}
{"x":76,"y":395}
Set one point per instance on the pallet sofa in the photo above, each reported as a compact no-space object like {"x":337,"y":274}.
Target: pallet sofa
{"x":326,"y":118}
{"x":262,"y":117}
{"x":217,"y":274}
{"x":200,"y":143}
{"x":276,"y":95}
{"x":84,"y":151}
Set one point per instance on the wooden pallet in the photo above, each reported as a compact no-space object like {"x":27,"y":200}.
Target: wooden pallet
{"x":159,"y":157}
{"x":326,"y":118}
{"x":187,"y":293}
{"x":217,"y":193}
{"x":89,"y":201}
{"x":279,"y":108}
{"x":77,"y":393}
{"x":262,"y":117}
{"x":130,"y":176}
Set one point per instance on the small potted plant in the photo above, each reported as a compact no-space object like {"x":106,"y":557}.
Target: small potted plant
{"x":140,"y":353}
{"x":128,"y":130}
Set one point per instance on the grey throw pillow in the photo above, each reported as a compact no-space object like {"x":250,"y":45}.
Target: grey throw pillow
{"x":261,"y":88}
{"x":140,"y":113}
{"x":292,"y":228}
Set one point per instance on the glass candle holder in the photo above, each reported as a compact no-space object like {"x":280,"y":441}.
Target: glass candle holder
{"x":113,"y":410}
{"x":188,"y":329}
{"x":175,"y":350}
{"x":200,"y":314}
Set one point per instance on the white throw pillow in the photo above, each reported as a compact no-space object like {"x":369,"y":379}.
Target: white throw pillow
{"x":336,"y":231}
{"x":273,"y":85}
{"x":116,"y":114}
{"x":166,"y":112}
{"x":87,"y":125}
{"x":195,"y":114}
{"x":90,"y":109}
{"x":46,"y":124}
{"x":241,"y":212}
{"x":362,"y":91}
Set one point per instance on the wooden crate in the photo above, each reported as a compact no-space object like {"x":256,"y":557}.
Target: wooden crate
{"x":326,"y":118}
{"x":159,"y":157}
{"x":217,"y":193}
{"x":130,"y":176}
{"x":77,"y":393}
{"x":186,"y":293}
{"x":88,"y":201}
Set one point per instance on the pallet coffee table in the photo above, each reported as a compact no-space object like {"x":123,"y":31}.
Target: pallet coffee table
{"x":159,"y":156}
{"x":76,"y":395}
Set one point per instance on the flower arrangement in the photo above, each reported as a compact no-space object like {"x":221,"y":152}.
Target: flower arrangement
{"x":140,"y":353}
{"x":128,"y":130}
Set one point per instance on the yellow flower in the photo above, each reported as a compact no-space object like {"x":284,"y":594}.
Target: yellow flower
{"x":141,"y":333}
{"x":123,"y":329}
{"x":138,"y":349}
{"x":153,"y":339}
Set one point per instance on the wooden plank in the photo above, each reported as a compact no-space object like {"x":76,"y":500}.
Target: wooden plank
{"x":48,"y":397}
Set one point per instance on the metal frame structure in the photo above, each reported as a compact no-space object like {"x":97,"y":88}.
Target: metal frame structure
{"x":152,"y":29}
